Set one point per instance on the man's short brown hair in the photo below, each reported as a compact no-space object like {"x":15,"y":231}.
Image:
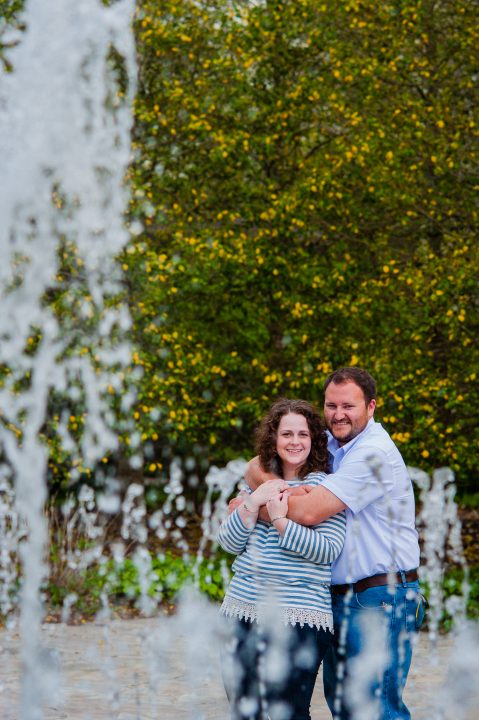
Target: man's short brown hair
{"x":356,"y":375}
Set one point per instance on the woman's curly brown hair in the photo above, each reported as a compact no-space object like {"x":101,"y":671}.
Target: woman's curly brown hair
{"x":267,"y":432}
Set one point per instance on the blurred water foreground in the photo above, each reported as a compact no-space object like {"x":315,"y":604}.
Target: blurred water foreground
{"x":65,"y":148}
{"x":169,"y":666}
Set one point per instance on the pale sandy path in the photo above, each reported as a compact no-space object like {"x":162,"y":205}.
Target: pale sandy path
{"x":105,"y":674}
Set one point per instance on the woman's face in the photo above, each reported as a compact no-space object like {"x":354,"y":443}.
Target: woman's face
{"x":293,"y":443}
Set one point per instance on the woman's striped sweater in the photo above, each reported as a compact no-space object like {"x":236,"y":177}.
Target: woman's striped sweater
{"x":290,"y":571}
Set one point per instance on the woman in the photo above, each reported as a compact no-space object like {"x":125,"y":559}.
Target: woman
{"x":281,"y":575}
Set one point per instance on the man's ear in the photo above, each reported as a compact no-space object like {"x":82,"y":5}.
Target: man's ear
{"x":371,"y":408}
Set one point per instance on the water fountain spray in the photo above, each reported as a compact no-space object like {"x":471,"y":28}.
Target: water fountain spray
{"x":65,"y":123}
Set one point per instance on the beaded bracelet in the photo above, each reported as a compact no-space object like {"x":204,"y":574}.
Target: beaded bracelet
{"x":247,"y":508}
{"x":280,"y":517}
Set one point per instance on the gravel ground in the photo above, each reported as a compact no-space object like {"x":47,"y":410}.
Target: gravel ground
{"x":168,"y":668}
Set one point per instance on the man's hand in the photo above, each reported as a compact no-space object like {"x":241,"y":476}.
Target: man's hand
{"x":255,"y":475}
{"x":237,"y":501}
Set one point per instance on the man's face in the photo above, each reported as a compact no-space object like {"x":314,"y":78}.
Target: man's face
{"x":345,"y":411}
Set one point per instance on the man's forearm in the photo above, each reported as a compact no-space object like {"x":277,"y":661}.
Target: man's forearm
{"x":293,"y":491}
{"x":255,"y":475}
{"x":313,"y":508}
{"x":263,"y":514}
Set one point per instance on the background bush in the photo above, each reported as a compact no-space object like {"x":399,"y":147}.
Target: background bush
{"x":306,"y":177}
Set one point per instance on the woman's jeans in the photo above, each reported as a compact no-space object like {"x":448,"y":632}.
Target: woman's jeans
{"x":269,"y":673}
{"x":366,"y":667}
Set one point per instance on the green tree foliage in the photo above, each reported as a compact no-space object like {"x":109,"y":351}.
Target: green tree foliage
{"x":306,"y":178}
{"x":9,"y":13}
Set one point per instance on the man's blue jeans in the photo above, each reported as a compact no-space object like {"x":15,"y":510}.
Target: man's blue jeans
{"x":398,"y":616}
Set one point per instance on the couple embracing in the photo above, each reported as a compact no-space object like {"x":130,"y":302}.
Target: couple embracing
{"x":326,"y":548}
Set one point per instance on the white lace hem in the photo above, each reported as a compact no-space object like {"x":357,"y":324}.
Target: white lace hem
{"x":290,"y":616}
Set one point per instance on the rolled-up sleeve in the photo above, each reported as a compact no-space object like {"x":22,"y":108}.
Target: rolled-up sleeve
{"x":364,"y":476}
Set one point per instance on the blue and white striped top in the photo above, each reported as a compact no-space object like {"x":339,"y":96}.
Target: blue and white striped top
{"x":292,"y":571}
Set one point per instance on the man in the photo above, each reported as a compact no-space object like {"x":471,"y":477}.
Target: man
{"x":374,"y":580}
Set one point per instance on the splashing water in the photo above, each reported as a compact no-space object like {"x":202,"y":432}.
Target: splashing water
{"x":364,"y":675}
{"x":441,"y":532}
{"x":65,"y":147}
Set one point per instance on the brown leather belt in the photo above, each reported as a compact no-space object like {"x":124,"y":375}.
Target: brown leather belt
{"x":374,"y":581}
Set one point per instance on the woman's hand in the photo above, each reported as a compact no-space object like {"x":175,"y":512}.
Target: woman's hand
{"x":248,"y":505}
{"x":277,"y":507}
{"x":265,"y":491}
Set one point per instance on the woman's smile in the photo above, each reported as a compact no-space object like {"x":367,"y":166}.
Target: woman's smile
{"x":293,"y":443}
